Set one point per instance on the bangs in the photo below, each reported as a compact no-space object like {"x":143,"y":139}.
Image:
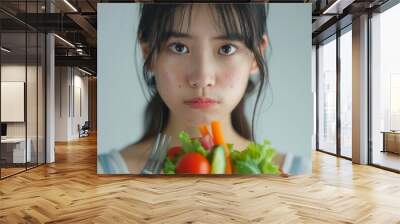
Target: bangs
{"x":242,"y":20}
{"x":234,"y":21}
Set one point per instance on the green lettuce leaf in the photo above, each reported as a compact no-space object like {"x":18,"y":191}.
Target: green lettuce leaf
{"x":189,"y":145}
{"x":169,"y":166}
{"x":246,"y":167}
{"x":255,"y":158}
{"x":269,"y":168}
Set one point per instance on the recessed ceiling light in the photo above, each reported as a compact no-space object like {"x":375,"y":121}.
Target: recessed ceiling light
{"x":70,"y":5}
{"x":5,"y":50}
{"x":65,"y":41}
{"x":337,"y":7}
{"x":84,"y":71}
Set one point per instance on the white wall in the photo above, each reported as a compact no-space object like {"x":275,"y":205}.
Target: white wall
{"x":10,"y":73}
{"x":33,"y":127}
{"x":67,"y":115}
{"x":16,"y":72}
{"x":61,"y":103}
{"x":79,"y":117}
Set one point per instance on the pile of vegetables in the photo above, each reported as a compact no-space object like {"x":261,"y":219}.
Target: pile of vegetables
{"x":210,"y":154}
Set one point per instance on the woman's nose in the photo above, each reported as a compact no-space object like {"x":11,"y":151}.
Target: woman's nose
{"x":201,"y":83}
{"x":202,"y":74}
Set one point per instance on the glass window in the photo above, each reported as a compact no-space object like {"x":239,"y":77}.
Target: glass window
{"x":31,"y":101}
{"x":314,"y":92}
{"x":327,"y":96}
{"x":41,"y":79}
{"x":385,"y":88}
{"x":346,"y":94}
{"x":22,"y":91}
{"x":14,"y":153}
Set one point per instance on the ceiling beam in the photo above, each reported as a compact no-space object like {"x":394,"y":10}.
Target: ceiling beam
{"x":85,"y":25}
{"x":84,"y":61}
{"x":337,"y":7}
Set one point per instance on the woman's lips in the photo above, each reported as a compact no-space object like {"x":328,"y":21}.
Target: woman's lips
{"x":200,"y":102}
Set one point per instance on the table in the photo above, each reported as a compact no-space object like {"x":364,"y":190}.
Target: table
{"x":391,"y":141}
{"x":13,"y":150}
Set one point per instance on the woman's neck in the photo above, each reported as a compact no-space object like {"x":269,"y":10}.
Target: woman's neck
{"x":177,"y":124}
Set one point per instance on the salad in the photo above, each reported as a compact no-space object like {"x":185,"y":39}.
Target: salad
{"x":209,"y":154}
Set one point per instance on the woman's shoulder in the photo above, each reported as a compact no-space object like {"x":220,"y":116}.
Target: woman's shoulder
{"x":135,"y":155}
{"x":111,"y":163}
{"x":129,"y":160}
{"x":137,"y":149}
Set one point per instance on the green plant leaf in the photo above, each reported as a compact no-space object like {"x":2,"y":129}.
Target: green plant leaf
{"x":189,"y":145}
{"x":255,"y":155}
{"x":246,"y":167}
{"x":169,"y":166}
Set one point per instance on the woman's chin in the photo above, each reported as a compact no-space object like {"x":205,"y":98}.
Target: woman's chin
{"x":197,"y":119}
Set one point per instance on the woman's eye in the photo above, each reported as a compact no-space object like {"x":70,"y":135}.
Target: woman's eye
{"x":228,"y":49}
{"x":179,"y":48}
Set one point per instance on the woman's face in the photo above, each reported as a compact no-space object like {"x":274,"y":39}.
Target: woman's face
{"x":200,"y":74}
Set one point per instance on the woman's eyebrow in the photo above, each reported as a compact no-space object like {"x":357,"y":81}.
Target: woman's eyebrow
{"x":232,"y":36}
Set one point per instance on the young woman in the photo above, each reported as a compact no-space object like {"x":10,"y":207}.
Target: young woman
{"x":200,"y":64}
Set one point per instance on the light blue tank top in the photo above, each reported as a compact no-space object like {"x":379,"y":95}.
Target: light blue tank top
{"x":111,"y":163}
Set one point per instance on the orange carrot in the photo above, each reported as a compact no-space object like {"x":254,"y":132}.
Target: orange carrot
{"x":217,"y":133}
{"x":203,"y":130}
{"x":228,"y":168}
{"x":219,"y":140}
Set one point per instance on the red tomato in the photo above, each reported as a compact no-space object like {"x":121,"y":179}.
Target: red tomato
{"x":193,"y":163}
{"x":174,"y":151}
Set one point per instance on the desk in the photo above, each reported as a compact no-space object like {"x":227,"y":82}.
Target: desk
{"x":13,"y":150}
{"x":391,"y":141}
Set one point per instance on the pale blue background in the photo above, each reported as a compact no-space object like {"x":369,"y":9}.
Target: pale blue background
{"x":286,"y":118}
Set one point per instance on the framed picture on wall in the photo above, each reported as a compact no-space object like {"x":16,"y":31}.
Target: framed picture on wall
{"x":214,"y":87}
{"x":12,"y":101}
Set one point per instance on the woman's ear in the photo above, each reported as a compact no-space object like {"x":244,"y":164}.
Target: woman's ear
{"x":145,"y":49}
{"x":263,"y":45}
{"x":145,"y":52}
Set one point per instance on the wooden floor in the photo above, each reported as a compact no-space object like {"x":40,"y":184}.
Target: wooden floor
{"x":70,"y":191}
{"x":5,"y":172}
{"x":10,"y":171}
{"x":387,"y":159}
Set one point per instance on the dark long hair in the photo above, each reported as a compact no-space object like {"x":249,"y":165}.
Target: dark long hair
{"x":157,"y":21}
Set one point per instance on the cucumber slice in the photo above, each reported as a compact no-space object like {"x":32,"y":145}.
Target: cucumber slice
{"x":218,"y":160}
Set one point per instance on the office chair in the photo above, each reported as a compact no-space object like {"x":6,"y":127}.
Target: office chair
{"x":84,"y":130}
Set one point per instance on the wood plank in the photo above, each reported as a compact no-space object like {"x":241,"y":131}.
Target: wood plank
{"x":70,"y":191}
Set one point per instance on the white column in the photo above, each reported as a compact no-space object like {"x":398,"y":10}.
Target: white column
{"x":360,"y":90}
{"x":50,"y":92}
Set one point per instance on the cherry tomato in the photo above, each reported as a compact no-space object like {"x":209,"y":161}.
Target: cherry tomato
{"x":193,"y":163}
{"x":174,"y":151}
